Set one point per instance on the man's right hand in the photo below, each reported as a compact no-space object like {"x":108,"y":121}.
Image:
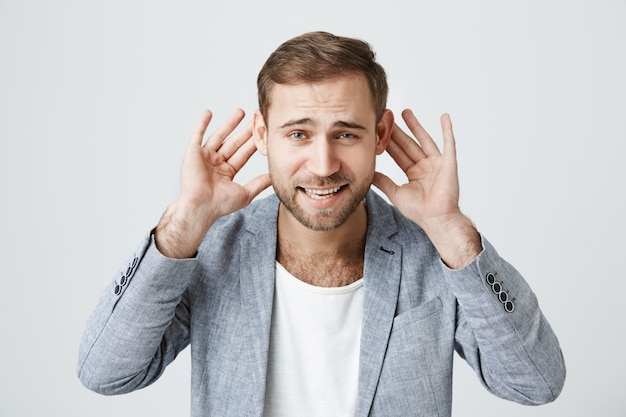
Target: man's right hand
{"x":207,"y":188}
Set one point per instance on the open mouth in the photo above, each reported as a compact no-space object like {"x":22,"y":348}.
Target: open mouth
{"x":322,"y":194}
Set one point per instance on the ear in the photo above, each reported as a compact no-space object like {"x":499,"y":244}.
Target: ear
{"x":383,"y":131}
{"x":259,"y":131}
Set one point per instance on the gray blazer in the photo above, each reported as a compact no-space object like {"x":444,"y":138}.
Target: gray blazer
{"x":417,"y":312}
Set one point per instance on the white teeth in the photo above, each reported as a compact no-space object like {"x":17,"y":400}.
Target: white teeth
{"x":319,"y":194}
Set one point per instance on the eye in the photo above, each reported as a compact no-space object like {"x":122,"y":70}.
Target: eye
{"x":347,"y":136}
{"x":297,"y":135}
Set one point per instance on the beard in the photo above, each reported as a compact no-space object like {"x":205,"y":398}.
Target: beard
{"x":323,"y":219}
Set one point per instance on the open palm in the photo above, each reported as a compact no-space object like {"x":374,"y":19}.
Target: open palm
{"x":209,"y":168}
{"x":432,"y":191}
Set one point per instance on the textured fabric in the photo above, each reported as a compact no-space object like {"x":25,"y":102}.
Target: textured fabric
{"x":416,"y":313}
{"x":314,"y":348}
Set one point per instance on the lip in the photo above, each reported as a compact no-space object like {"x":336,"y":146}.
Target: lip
{"x":322,"y":197}
{"x":321,"y":193}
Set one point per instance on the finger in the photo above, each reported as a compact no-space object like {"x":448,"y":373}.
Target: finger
{"x":401,"y":157}
{"x":216,"y":139}
{"x":242,"y":154}
{"x":427,"y":143}
{"x":407,"y":144}
{"x":385,"y":184}
{"x":198,"y":132}
{"x":256,"y":185}
{"x":236,"y":141}
{"x":449,"y":143}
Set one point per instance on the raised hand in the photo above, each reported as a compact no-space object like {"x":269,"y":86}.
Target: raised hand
{"x":208,"y":191}
{"x":432,"y":190}
{"x":431,"y":196}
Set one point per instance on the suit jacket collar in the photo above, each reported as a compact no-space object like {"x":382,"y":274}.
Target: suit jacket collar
{"x":258,"y":249}
{"x":381,"y":282}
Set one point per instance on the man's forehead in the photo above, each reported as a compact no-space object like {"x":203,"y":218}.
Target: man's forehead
{"x":346,"y":99}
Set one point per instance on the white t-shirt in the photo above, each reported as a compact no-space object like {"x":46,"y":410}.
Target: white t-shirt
{"x":314,"y":349}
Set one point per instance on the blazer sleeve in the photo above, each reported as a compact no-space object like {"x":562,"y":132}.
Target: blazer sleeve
{"x":502,"y":333}
{"x":139,"y":325}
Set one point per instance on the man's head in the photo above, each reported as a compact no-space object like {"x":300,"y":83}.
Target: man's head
{"x":322,"y":121}
{"x":318,"y":56}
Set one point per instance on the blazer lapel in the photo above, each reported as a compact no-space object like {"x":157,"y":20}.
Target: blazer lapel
{"x":383,"y":262}
{"x":258,"y":254}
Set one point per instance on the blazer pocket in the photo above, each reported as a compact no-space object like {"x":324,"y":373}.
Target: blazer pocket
{"x":418,"y":313}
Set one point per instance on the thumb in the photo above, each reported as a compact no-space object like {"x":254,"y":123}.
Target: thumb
{"x":385,"y":184}
{"x":256,"y":185}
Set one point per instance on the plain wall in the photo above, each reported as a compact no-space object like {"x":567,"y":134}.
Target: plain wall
{"x":97,"y":101}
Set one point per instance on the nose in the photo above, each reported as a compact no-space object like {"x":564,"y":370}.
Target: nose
{"x":322,"y":159}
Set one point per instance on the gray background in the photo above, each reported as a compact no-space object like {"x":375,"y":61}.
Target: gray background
{"x":97,"y":100}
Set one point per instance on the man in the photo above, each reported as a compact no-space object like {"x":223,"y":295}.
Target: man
{"x":323,"y":299}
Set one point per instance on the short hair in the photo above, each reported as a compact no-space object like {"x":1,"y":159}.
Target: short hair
{"x":318,"y":56}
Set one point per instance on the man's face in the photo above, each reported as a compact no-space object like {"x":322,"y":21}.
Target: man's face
{"x":321,"y":140}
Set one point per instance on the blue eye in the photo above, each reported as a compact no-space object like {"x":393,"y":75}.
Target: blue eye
{"x":297,"y":135}
{"x":347,"y":136}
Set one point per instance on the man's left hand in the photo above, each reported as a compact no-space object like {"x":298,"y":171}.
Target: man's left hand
{"x":430,"y":198}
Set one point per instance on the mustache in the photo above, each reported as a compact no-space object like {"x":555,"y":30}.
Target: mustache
{"x":332,"y":180}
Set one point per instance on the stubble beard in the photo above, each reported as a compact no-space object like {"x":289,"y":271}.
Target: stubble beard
{"x":323,"y":220}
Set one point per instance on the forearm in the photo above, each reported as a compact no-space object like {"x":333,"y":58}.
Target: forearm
{"x":138,"y":326}
{"x":181,"y":230}
{"x":511,"y":346}
{"x":455,"y":238}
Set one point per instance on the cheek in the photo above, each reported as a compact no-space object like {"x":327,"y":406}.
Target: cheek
{"x":282,"y":164}
{"x":361,"y":162}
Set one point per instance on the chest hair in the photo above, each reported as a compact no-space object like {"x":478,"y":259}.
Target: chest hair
{"x":331,"y":267}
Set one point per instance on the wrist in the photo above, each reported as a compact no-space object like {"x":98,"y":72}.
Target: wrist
{"x":455,"y":238}
{"x":181,"y":230}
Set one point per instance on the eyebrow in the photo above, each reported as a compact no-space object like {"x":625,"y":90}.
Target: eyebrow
{"x":308,"y":121}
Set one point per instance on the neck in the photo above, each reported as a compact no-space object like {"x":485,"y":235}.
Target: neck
{"x":330,"y":258}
